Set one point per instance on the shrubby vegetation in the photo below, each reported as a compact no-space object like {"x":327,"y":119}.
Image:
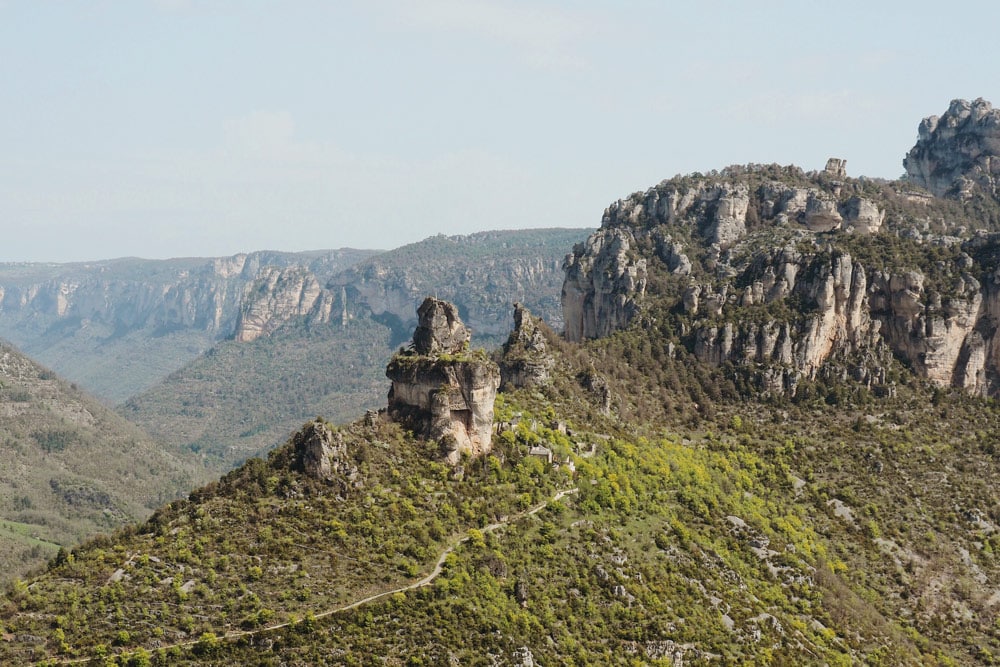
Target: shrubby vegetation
{"x":721,"y":530}
{"x":71,"y":468}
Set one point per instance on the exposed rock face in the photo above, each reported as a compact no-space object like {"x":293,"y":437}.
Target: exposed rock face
{"x":321,"y":453}
{"x":604,"y":277}
{"x":500,"y":267}
{"x":442,"y":397}
{"x":84,"y":318}
{"x":525,"y":361}
{"x":277,"y":296}
{"x":836,"y":167}
{"x":958,"y":152}
{"x":440,"y":330}
{"x":788,"y":299}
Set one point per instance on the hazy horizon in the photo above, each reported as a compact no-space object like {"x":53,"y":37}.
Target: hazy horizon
{"x":174,"y":128}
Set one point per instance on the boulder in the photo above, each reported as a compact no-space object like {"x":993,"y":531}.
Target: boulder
{"x":439,"y":329}
{"x":321,"y":453}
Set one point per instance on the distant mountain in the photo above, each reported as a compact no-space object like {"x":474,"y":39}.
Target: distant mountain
{"x":70,"y":467}
{"x":119,"y":326}
{"x":304,"y":346}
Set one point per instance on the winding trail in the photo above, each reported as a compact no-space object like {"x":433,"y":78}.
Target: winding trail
{"x":426,"y":581}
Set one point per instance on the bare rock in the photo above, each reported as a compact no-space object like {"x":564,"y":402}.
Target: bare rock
{"x":525,"y":361}
{"x":605,"y":280}
{"x":440,"y":330}
{"x":821,"y":214}
{"x":278,"y":295}
{"x":862,"y":216}
{"x":445,"y":393}
{"x":729,"y":220}
{"x":321,"y":453}
{"x":836,"y":167}
{"x":958,"y":152}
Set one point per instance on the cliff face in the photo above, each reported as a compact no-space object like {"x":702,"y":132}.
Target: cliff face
{"x":96,"y":323}
{"x":606,"y":276}
{"x":483,"y":274}
{"x":277,"y":296}
{"x":958,"y":152}
{"x":440,"y":390}
{"x":93,"y":321}
{"x":525,"y":361}
{"x":789,"y":275}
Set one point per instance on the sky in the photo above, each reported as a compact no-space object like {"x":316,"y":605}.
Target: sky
{"x":171,"y":128}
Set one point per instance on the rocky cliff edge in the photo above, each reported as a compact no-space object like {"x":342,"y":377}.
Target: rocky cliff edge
{"x":787,"y":274}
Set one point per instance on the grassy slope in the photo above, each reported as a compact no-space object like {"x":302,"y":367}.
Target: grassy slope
{"x":70,"y":467}
{"x":242,"y":398}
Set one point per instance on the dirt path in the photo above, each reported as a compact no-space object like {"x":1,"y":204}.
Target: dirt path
{"x":427,"y":580}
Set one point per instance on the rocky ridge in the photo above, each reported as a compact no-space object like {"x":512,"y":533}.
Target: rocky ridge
{"x":958,"y":153}
{"x":96,"y":323}
{"x":93,"y":322}
{"x":790,"y":275}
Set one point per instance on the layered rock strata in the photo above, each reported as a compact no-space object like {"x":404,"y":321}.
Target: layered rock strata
{"x":440,"y":389}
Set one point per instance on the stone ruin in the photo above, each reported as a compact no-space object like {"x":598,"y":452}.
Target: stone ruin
{"x":440,"y":389}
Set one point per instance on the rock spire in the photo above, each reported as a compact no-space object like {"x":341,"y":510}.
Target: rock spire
{"x":440,"y":389}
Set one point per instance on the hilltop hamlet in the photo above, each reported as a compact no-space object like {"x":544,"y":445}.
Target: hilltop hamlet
{"x":767,"y":436}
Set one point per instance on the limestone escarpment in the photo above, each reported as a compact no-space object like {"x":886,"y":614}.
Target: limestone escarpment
{"x":958,"y":152}
{"x":90,"y":321}
{"x":277,"y":296}
{"x":788,"y":275}
{"x":440,"y":389}
{"x":606,"y":276}
{"x":483,"y":274}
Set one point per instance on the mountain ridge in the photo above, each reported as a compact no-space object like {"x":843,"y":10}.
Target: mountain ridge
{"x":848,"y":515}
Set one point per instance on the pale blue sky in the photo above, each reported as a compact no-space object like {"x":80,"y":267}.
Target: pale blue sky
{"x":162,"y":128}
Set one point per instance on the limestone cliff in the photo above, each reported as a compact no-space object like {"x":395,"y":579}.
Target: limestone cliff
{"x":958,"y":152}
{"x":93,"y":321}
{"x":790,"y":275}
{"x":441,"y":390}
{"x":277,"y":296}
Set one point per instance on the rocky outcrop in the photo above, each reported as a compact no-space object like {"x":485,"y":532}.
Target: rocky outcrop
{"x":605,"y":277}
{"x":959,"y":152}
{"x":525,"y":361}
{"x":88,"y":321}
{"x":321,"y":453}
{"x":483,"y":274}
{"x":441,"y":390}
{"x":682,"y":218}
{"x":440,"y":330}
{"x":789,"y":297}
